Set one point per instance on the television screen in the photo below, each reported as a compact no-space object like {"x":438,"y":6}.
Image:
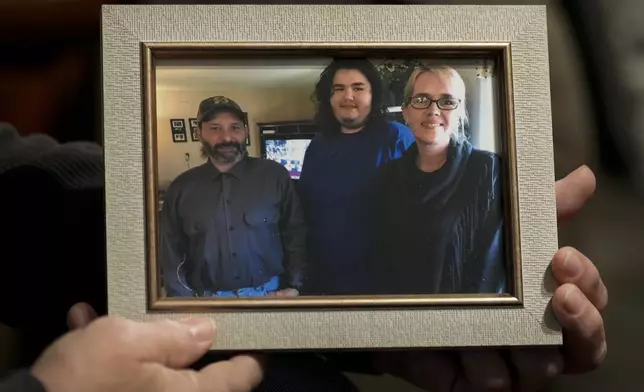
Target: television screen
{"x":288,"y":153}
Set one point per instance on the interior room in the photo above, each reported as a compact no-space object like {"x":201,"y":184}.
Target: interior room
{"x":278,"y":97}
{"x":592,"y":92}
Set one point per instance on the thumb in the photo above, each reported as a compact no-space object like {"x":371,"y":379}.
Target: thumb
{"x":171,"y":343}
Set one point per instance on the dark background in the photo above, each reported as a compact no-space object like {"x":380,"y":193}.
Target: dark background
{"x":53,"y":256}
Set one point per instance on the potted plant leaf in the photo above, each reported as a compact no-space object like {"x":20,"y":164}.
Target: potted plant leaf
{"x":394,"y":74}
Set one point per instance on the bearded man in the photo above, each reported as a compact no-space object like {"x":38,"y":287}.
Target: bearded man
{"x":234,"y":225}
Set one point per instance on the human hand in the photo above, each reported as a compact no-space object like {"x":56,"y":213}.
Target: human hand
{"x":284,"y":293}
{"x":111,"y":354}
{"x":577,"y":303}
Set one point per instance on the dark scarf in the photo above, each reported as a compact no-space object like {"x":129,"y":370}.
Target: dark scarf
{"x":447,"y":177}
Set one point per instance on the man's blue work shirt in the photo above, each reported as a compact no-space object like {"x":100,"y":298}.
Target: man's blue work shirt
{"x":336,"y":189}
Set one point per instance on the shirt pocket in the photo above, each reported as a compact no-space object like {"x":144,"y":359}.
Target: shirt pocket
{"x":264,"y":234}
{"x":201,"y":239}
{"x":198,"y":225}
{"x":262,"y":217}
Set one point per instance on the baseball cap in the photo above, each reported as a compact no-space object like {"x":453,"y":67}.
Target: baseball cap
{"x":213,"y":105}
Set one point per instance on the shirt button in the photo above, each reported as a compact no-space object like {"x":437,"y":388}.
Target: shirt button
{"x":232,"y":228}
{"x":227,"y":201}
{"x":234,"y":254}
{"x":264,"y":219}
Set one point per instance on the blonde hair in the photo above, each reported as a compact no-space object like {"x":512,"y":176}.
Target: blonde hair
{"x":443,"y":71}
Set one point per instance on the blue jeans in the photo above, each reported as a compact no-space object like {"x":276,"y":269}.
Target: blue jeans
{"x":259,"y":291}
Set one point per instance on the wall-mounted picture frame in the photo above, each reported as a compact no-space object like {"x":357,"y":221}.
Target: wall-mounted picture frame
{"x":249,"y":127}
{"x":178,"y":128}
{"x":468,"y":284}
{"x":194,"y":129}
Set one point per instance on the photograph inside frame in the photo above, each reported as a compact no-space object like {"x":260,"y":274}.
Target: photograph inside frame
{"x":331,"y":176}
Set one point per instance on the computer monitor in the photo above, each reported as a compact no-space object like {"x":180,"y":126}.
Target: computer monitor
{"x":288,"y":152}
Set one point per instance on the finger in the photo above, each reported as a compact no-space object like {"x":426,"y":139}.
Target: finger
{"x":573,"y":191}
{"x":584,"y":345}
{"x":80,"y":315}
{"x":486,"y":370}
{"x":170,"y":343}
{"x":289,"y":293}
{"x":240,"y":374}
{"x":536,"y":367}
{"x":430,"y":370}
{"x":571,"y":266}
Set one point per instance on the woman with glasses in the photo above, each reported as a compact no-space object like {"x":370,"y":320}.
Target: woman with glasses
{"x":440,"y":212}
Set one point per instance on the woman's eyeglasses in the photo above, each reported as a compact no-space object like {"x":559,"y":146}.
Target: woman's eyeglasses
{"x":423,"y":102}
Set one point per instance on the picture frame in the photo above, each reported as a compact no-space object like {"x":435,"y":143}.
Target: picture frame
{"x":136,"y":37}
{"x":248,"y":124}
{"x":194,"y":129}
{"x":178,"y":128}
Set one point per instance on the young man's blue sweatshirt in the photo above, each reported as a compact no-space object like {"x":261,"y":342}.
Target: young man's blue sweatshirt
{"x":336,"y":188}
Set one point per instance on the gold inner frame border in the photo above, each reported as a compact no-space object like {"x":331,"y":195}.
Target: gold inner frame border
{"x":499,"y":52}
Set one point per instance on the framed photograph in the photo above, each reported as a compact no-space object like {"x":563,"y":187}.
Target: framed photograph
{"x":194,"y":129}
{"x":402,"y":194}
{"x":249,"y":125}
{"x":178,"y":128}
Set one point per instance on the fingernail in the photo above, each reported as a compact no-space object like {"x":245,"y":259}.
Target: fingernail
{"x":572,"y":264}
{"x":601,"y":353}
{"x":582,"y":168}
{"x":79,"y":316}
{"x":573,"y":301}
{"x":202,"y":329}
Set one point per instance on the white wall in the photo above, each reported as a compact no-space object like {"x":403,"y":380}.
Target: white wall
{"x":481,"y":83}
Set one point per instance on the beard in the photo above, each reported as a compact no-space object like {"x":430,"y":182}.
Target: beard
{"x":352,"y":123}
{"x":226,"y":152}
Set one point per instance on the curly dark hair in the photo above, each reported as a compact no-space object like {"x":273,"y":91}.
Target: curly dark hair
{"x":325,"y":120}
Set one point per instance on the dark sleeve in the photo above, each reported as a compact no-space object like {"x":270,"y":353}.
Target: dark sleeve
{"x":292,"y":230}
{"x":21,"y":381}
{"x":305,"y":175}
{"x":52,"y":253}
{"x":384,"y":229}
{"x":379,"y":256}
{"x":488,"y":254}
{"x":611,"y":89}
{"x":172,"y":246}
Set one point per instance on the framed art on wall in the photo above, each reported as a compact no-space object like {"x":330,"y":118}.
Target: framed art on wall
{"x":194,"y":129}
{"x":419,"y":213}
{"x":178,"y":127}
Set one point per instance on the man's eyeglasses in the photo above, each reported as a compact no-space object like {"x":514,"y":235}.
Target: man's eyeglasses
{"x":423,"y":102}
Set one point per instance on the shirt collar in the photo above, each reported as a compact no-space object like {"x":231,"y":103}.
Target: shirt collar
{"x":238,"y":171}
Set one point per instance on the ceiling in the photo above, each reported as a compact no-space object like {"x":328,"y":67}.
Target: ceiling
{"x":201,"y":74}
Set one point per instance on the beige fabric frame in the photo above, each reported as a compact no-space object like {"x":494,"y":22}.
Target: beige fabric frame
{"x":126,"y":29}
